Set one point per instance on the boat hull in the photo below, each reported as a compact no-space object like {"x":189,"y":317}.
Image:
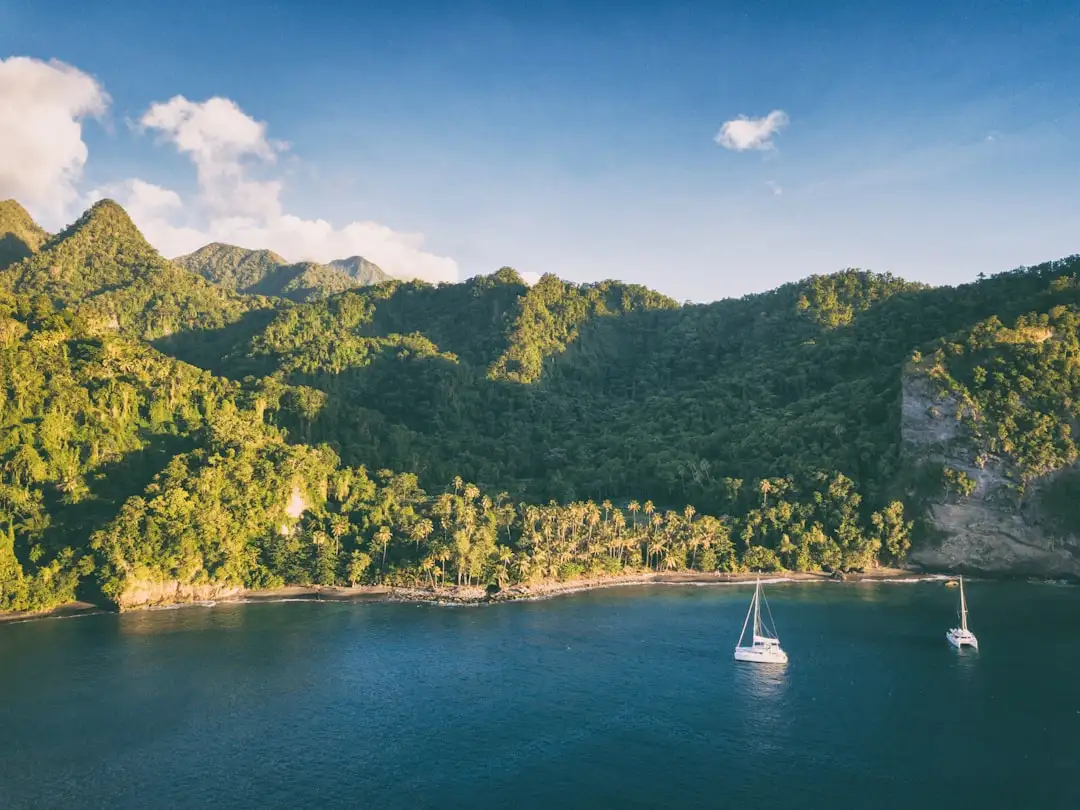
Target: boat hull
{"x":760,"y":655}
{"x":962,"y":638}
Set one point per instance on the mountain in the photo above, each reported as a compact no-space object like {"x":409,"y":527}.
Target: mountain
{"x":102,"y":250}
{"x":303,"y":281}
{"x":165,"y":438}
{"x":20,"y":236}
{"x":262,"y":272}
{"x":232,"y":267}
{"x":103,"y":270}
{"x":360,"y":269}
{"x":566,"y":391}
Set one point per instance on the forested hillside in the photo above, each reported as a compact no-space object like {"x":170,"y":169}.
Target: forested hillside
{"x":263,"y":272}
{"x":162,"y":434}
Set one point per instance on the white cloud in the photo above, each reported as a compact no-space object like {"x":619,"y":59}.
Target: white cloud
{"x":777,"y":189}
{"x":744,"y":133}
{"x":217,"y":135}
{"x":42,"y":155}
{"x":529,"y":277}
{"x":225,"y":144}
{"x":42,"y":152}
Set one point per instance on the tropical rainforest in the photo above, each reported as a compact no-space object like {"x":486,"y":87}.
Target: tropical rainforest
{"x":231,"y":418}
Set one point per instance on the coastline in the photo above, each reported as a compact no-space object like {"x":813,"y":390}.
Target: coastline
{"x":468,"y":595}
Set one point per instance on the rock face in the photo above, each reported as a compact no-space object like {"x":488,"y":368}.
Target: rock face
{"x":144,"y":593}
{"x":986,"y":531}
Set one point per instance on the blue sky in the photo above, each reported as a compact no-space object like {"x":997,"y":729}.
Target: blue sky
{"x":935,"y":140}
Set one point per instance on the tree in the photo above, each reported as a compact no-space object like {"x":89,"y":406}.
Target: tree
{"x":359,"y":562}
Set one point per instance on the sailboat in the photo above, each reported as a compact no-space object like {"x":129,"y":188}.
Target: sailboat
{"x":960,"y":636}
{"x":764,"y":649}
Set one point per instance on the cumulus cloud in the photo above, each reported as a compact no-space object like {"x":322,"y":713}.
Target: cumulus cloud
{"x":225,"y":145}
{"x":42,"y":153}
{"x":218,"y":136}
{"x":529,"y":277}
{"x":42,"y":156}
{"x":743,"y":133}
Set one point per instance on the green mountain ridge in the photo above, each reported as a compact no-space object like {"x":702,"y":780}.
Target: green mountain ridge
{"x":20,"y":236}
{"x":103,"y":271}
{"x":263,"y":272}
{"x":490,"y":433}
{"x":360,"y":269}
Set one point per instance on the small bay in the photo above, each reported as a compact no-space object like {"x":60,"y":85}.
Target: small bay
{"x":625,"y":697}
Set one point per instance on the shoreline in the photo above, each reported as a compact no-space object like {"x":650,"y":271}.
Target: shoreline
{"x":461,"y":595}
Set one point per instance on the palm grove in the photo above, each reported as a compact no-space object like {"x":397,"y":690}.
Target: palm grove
{"x":163,"y":423}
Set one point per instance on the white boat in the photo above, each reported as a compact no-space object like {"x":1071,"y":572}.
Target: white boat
{"x":960,"y":636}
{"x":763,"y":649}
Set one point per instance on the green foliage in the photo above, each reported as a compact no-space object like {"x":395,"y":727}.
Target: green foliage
{"x":20,"y":236}
{"x":1018,"y":389}
{"x":263,"y":272}
{"x":220,"y":514}
{"x":563,"y":391}
{"x":551,"y":314}
{"x":231,"y":267}
{"x":361,"y":270}
{"x":112,"y":278}
{"x":126,"y":472}
{"x":957,"y":481}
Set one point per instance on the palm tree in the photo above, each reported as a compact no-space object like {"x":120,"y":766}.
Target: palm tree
{"x":442,"y":554}
{"x":506,"y":554}
{"x":428,"y":566}
{"x":656,"y":547}
{"x":382,"y":537}
{"x":419,"y":531}
{"x":633,"y":508}
{"x":765,"y":487}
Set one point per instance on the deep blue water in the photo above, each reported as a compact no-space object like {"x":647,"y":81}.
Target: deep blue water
{"x":622,"y":698}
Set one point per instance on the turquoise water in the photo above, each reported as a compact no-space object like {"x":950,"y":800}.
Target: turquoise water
{"x":625,"y":698}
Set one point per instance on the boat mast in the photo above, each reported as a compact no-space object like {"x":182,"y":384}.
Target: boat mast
{"x":757,"y":609}
{"x":963,"y":607}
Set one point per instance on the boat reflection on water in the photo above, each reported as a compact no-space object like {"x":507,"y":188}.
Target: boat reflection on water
{"x":762,"y":716}
{"x":762,"y":683}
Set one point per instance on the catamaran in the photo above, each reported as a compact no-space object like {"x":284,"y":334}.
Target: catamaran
{"x":764,"y":648}
{"x":960,"y":636}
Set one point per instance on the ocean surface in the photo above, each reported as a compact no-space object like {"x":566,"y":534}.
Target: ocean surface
{"x":620,"y":698}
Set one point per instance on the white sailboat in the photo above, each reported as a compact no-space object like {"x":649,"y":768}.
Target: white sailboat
{"x":763,"y":649}
{"x":960,"y":636}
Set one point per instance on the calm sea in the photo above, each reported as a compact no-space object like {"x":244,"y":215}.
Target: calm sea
{"x":623,"y":698}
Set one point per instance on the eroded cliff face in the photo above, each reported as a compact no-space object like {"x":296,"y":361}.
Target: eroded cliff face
{"x":145,"y":593}
{"x":991,"y":530}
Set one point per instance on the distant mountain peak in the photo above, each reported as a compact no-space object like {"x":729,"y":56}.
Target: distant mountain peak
{"x":104,"y":219}
{"x":263,"y":272}
{"x":20,"y":236}
{"x":102,"y":249}
{"x":362,"y":270}
{"x":11,"y":210}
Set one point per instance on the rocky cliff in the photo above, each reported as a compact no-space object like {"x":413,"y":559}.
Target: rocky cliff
{"x":991,"y":529}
